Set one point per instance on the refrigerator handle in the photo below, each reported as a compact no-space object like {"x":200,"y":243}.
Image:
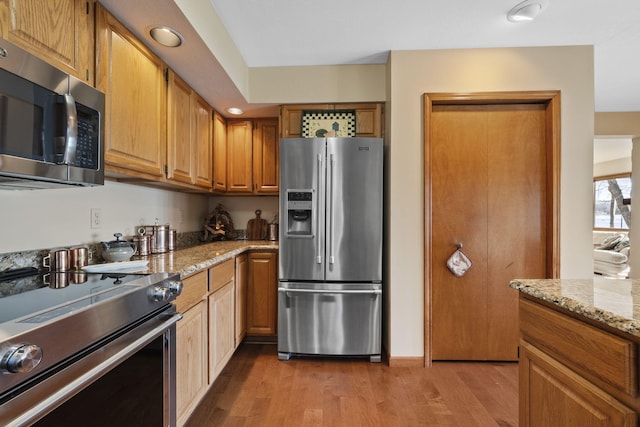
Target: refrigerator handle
{"x":330,"y":210}
{"x":316,"y":220}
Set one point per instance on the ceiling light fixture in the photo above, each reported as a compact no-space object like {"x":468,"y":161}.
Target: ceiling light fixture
{"x":235,"y":111}
{"x":525,"y":11}
{"x":166,"y":36}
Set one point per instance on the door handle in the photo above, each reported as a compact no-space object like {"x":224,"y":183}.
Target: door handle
{"x":315,"y":217}
{"x":330,"y":210}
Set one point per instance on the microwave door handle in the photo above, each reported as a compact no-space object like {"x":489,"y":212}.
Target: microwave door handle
{"x":71,"y":133}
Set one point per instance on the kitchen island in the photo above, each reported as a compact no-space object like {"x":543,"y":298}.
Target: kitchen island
{"x":579,"y":352}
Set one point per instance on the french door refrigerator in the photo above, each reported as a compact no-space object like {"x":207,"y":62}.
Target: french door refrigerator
{"x":330,"y":256}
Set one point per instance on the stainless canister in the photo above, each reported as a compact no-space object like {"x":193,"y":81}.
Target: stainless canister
{"x":161,"y":236}
{"x":143,"y":244}
{"x":57,"y":260}
{"x":148,"y":230}
{"x":78,"y":257}
{"x":172,"y":239}
{"x":272,"y":232}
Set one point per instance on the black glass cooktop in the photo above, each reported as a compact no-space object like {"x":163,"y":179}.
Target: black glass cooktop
{"x":36,"y":295}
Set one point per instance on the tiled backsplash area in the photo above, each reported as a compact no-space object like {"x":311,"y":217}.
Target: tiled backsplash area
{"x":33,"y":258}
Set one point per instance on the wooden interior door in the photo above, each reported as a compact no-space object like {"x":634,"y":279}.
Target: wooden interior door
{"x":488,"y":193}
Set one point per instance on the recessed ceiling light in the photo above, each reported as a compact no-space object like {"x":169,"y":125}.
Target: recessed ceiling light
{"x":525,"y":11}
{"x":235,"y":111}
{"x":166,"y":36}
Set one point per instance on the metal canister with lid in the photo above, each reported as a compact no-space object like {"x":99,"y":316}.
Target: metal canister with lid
{"x":172,"y":242}
{"x":161,"y":235}
{"x":143,"y":242}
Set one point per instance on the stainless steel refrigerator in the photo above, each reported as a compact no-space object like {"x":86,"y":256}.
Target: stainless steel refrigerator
{"x":330,"y":258}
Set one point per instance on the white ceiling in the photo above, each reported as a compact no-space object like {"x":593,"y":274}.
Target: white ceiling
{"x":305,"y":32}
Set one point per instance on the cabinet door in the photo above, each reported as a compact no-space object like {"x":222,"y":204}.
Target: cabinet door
{"x":266,"y":171}
{"x":291,"y":118}
{"x":551,"y":395}
{"x":191,"y":360}
{"x":242,"y":269}
{"x":59,"y":32}
{"x":219,"y":153}
{"x":221,"y":328}
{"x":132,"y":78}
{"x":262,"y":293}
{"x":369,"y":119}
{"x":203,"y":142}
{"x":239,"y":156}
{"x":180,"y":141}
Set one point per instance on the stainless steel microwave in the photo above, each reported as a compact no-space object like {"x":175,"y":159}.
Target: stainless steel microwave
{"x":51,"y":125}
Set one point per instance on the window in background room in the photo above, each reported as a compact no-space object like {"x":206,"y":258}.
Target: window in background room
{"x":612,"y":202}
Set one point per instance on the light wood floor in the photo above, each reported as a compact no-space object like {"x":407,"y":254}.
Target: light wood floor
{"x":256,"y":389}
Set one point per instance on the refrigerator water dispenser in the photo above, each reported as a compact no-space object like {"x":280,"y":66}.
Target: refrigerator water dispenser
{"x":299,"y":212}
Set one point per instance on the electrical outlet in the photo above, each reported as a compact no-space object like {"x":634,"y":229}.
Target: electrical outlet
{"x":96,"y":217}
{"x":181,"y":216}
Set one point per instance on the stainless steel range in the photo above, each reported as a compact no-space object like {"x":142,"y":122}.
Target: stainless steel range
{"x":82,"y":348}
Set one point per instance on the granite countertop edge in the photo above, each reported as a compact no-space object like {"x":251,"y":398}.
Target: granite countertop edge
{"x":551,"y":291}
{"x":190,"y":261}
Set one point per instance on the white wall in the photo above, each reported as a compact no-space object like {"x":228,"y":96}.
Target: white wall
{"x":413,"y":73}
{"x":328,"y":83}
{"x":42,"y":219}
{"x":612,"y":167}
{"x":634,"y":232}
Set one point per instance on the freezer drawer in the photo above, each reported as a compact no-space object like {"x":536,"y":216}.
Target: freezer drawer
{"x":329,"y":319}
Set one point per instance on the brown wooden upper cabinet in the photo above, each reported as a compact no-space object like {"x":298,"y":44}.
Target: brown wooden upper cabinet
{"x":59,"y":32}
{"x":133,"y":80}
{"x":266,"y":157}
{"x":203,"y":134}
{"x":239,"y":156}
{"x":369,"y":118}
{"x":157,"y":128}
{"x":189,"y":140}
{"x":219,"y":152}
{"x":251,"y":150}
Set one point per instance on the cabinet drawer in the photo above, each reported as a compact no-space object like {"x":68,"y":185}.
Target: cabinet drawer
{"x":221,"y":274}
{"x":194,"y":290}
{"x":599,"y":356}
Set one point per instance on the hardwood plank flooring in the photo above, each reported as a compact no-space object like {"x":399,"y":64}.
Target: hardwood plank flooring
{"x":256,"y":389}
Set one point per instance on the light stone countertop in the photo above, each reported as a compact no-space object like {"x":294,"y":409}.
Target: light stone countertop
{"x":192,"y":260}
{"x":614,"y":302}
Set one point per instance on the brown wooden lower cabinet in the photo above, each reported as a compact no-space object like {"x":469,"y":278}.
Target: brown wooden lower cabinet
{"x":242,"y":271}
{"x":219,"y":306}
{"x":191,"y":346}
{"x":221,"y":316}
{"x":574,"y":374}
{"x":262,"y":293}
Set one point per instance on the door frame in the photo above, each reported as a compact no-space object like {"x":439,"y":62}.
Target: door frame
{"x":551,"y":100}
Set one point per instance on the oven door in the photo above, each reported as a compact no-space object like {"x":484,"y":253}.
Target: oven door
{"x":126,"y":379}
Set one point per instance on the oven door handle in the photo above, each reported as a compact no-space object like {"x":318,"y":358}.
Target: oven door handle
{"x":92,"y":375}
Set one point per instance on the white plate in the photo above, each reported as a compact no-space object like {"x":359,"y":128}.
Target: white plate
{"x":116,"y":266}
